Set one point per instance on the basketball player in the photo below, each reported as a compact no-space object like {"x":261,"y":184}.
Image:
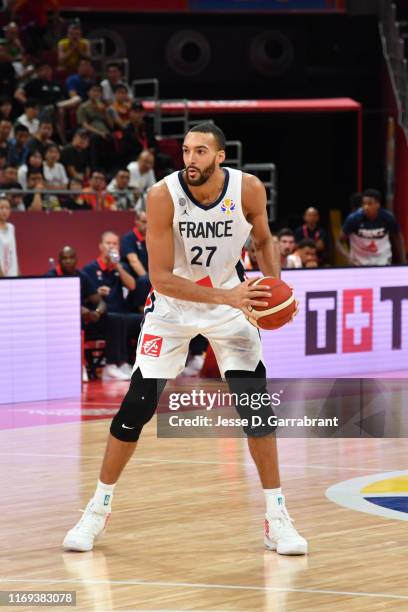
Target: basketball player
{"x":198,"y":221}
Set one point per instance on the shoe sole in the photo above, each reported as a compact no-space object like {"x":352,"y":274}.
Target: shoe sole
{"x":271,"y":546}
{"x":66,"y":546}
{"x":99,"y":536}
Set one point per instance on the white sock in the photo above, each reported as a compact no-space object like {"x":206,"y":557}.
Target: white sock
{"x":273,"y":498}
{"x":103,"y":496}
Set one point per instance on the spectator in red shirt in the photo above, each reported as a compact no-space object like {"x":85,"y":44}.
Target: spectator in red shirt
{"x":96,"y":194}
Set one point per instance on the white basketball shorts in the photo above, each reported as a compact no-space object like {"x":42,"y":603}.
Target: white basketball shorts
{"x":170,"y":324}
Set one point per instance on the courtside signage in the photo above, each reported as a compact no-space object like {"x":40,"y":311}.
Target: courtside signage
{"x":351,"y":321}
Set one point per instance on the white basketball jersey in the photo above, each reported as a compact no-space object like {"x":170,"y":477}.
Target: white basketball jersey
{"x":208,"y":239}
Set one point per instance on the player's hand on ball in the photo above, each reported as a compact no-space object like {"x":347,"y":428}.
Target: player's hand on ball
{"x":245,"y":296}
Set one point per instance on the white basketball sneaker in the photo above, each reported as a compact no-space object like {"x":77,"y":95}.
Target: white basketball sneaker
{"x":280,"y":534}
{"x":89,"y":528}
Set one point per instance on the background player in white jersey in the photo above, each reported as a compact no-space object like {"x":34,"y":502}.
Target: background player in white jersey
{"x":198,"y":221}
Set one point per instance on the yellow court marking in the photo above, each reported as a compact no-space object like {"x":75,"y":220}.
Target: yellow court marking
{"x":398,"y":484}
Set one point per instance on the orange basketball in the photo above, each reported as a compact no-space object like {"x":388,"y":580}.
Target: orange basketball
{"x":281,"y":304}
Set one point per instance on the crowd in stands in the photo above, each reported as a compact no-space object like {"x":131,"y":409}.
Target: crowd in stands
{"x":82,"y":131}
{"x":75,"y":139}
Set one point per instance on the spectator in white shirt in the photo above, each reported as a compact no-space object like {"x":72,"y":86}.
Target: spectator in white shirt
{"x":142,"y":177}
{"x":8,"y":249}
{"x":114,"y":76}
{"x":30,"y":117}
{"x":34,"y":162}
{"x":119,"y":187}
{"x":54,"y":172}
{"x":305,"y":255}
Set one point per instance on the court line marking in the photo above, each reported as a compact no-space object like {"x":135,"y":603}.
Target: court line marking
{"x":188,"y":462}
{"x":198,"y":585}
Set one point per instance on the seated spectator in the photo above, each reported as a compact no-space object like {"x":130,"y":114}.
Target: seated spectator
{"x":249,"y":256}
{"x":54,"y":173}
{"x":114,"y":76}
{"x":119,"y":110}
{"x":109,"y":277}
{"x":133,"y":253}
{"x":372,"y":233}
{"x":25,"y":69}
{"x":67,"y":266}
{"x":6,"y":109}
{"x":138,"y":134}
{"x":77,"y":85}
{"x":5,"y":131}
{"x":142,"y":177}
{"x":92,"y":305}
{"x":305,"y":255}
{"x":286,"y":239}
{"x":7,"y":73}
{"x":30,"y":117}
{"x":93,"y":116}
{"x":41,"y":139}
{"x":10,"y":178}
{"x":76,"y":156}
{"x":3,"y":162}
{"x":35,"y":182}
{"x":13,"y":44}
{"x":16,"y":152}
{"x":42,"y":88}
{"x":123,"y":194}
{"x":8,"y":249}
{"x":96,"y":194}
{"x":72,"y":48}
{"x":311,"y":229}
{"x":34,"y":162}
{"x":16,"y":200}
{"x":75,"y":201}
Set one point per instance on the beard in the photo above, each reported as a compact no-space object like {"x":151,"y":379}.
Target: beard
{"x":203,"y":175}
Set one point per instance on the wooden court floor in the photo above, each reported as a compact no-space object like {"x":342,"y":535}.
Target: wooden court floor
{"x":187,"y":523}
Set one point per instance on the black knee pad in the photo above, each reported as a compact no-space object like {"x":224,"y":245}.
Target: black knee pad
{"x":137,"y":408}
{"x":253,"y":400}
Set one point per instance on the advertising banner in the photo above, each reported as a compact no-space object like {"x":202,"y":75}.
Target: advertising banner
{"x":40,"y":339}
{"x":351,"y":321}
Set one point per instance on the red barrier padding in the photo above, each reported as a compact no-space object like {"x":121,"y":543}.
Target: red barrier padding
{"x":321,"y":105}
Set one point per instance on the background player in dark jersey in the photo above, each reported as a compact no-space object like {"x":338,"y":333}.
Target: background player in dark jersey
{"x":373,"y":234}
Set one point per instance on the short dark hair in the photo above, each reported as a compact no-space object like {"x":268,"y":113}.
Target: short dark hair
{"x":286,"y":231}
{"x":137,"y":106}
{"x":306,"y":242}
{"x":46,"y":121}
{"x":19,"y":127}
{"x":114,"y":65}
{"x":122,"y":170}
{"x":118,"y":86}
{"x":10,"y":166}
{"x":32,"y":171}
{"x":51,"y":146}
{"x":210,"y":128}
{"x":31,"y":103}
{"x":41,"y":64}
{"x":82,"y":133}
{"x":372,"y":193}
